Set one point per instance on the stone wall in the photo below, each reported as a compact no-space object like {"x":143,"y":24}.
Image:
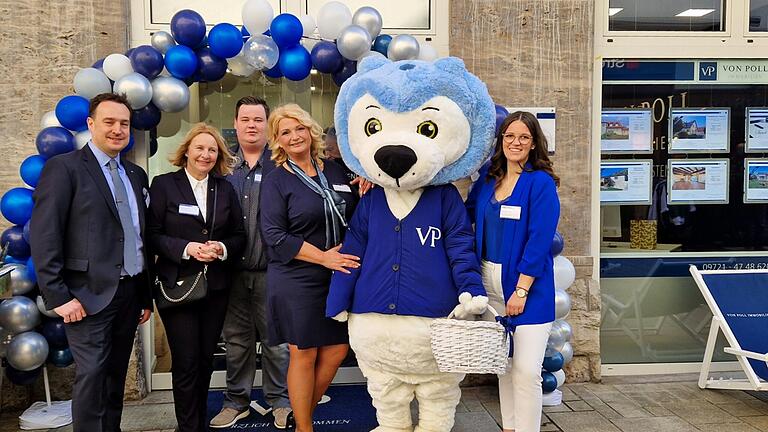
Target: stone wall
{"x":539,"y":53}
{"x":43,"y":46}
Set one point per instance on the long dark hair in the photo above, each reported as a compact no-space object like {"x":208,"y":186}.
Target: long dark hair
{"x":538,"y":157}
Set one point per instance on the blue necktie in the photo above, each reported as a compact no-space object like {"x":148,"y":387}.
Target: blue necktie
{"x":130,"y":264}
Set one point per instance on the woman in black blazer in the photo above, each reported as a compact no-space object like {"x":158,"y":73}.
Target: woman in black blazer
{"x":181,"y":212}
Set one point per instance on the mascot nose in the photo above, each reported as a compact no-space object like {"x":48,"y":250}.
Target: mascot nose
{"x":395,"y":160}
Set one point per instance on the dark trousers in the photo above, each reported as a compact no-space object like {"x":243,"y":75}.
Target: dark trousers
{"x":101,"y":345}
{"x":193,"y":331}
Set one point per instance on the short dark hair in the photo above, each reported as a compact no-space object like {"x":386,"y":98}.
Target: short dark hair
{"x":252,"y":100}
{"x":107,"y":97}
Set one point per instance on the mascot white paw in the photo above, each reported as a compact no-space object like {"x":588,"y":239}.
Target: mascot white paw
{"x":470,"y":306}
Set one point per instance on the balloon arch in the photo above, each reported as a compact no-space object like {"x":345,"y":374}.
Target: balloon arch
{"x":155,"y":79}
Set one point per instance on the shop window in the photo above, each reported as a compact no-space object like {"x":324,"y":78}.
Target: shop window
{"x":758,"y":15}
{"x":667,"y":15}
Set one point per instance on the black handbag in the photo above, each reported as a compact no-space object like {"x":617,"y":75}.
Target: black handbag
{"x":188,"y":288}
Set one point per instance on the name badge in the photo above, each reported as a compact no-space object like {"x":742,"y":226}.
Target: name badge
{"x":187,"y":209}
{"x":257,"y":177}
{"x":342,"y":188}
{"x":510,"y":212}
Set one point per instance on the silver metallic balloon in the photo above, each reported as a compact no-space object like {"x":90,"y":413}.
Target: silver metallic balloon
{"x":170,"y":94}
{"x":566,"y":331}
{"x":555,"y":342}
{"x":43,"y":310}
{"x":261,"y":52}
{"x":162,"y":41}
{"x":20,"y":282}
{"x":369,"y":19}
{"x":562,"y":304}
{"x":82,"y":138}
{"x":27,"y":351}
{"x":403,"y":47}
{"x":567,"y":352}
{"x":19,"y":314}
{"x":49,"y":119}
{"x":136,"y":88}
{"x":5,"y":339}
{"x":90,"y":82}
{"x":353,"y":42}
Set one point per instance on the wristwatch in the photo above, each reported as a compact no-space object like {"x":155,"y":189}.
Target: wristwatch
{"x":521,"y":292}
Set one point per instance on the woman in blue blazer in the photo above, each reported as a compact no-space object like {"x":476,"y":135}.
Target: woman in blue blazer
{"x":515,"y":209}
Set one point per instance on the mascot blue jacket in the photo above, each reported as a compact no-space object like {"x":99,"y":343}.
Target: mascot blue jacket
{"x":412,"y":128}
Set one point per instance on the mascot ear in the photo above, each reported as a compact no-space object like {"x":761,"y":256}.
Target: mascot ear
{"x":372,"y":62}
{"x":452,"y":65}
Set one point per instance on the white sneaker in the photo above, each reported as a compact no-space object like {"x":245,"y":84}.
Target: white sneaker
{"x":283,"y":417}
{"x":227,"y":417}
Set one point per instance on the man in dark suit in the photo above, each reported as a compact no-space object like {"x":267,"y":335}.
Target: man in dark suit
{"x":87,"y":238}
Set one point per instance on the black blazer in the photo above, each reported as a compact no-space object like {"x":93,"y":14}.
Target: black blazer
{"x":76,"y":234}
{"x":168,"y":231}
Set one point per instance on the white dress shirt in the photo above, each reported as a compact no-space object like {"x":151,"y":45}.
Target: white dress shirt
{"x":200,"y":190}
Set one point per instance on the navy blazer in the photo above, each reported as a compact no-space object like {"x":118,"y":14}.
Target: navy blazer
{"x":76,"y":235}
{"x":527,"y":241}
{"x":169,"y":231}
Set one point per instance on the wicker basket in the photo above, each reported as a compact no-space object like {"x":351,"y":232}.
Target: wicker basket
{"x":469,"y":346}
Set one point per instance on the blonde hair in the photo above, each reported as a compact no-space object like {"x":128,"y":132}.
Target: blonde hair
{"x":225,"y":161}
{"x":293,"y":111}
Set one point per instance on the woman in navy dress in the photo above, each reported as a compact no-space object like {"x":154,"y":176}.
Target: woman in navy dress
{"x":305,"y":203}
{"x":515,"y":209}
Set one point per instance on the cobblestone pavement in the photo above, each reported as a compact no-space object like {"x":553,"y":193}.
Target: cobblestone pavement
{"x":662,"y":403}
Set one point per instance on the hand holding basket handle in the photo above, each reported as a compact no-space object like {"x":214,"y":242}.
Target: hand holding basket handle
{"x":469,"y":306}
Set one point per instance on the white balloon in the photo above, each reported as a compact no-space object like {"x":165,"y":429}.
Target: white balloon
{"x":82,"y":138}
{"x":427,"y":52}
{"x":90,"y":82}
{"x":332,"y":19}
{"x":308,"y":24}
{"x":117,"y":66}
{"x":565,"y":273}
{"x":239,"y":66}
{"x":560,"y":376}
{"x":257,"y":16}
{"x":49,"y":120}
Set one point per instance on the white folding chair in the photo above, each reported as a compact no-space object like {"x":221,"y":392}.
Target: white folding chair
{"x":738,"y":300}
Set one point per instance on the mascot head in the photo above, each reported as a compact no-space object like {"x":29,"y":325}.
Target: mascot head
{"x":409,"y":124}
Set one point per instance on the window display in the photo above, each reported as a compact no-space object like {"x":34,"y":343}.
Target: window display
{"x":700,"y":181}
{"x":699,"y":130}
{"x":626,"y":131}
{"x":625,"y":182}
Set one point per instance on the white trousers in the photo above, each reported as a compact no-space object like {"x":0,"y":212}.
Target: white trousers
{"x":520,"y":387}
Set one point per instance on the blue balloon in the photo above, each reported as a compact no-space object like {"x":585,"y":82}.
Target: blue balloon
{"x":25,"y":232}
{"x":54,"y":140}
{"x":210,"y":67}
{"x":286,"y":30}
{"x":326,"y":57}
{"x":22,"y":378}
{"x":31,"y":168}
{"x":501,"y":114}
{"x":31,"y":274}
{"x":347,"y":70}
{"x":274,"y":72}
{"x":203,"y":43}
{"x":146,"y":118}
{"x":129,"y":147}
{"x":147,"y":61}
{"x":225,"y":40}
{"x":295,"y":63}
{"x":188,"y":28}
{"x":16,"y":205}
{"x":13,"y":240}
{"x":548,"y":382}
{"x":72,"y":112}
{"x":54,"y":333}
{"x":60,"y":358}
{"x":553,"y":363}
{"x":558,"y":243}
{"x":99,"y":64}
{"x":180,"y":61}
{"x":13,"y":260}
{"x":381,"y":44}
{"x":245,"y":32}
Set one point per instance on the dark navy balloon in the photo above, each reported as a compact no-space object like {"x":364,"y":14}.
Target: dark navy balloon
{"x":31,"y":274}
{"x":558,"y":243}
{"x":501,"y":114}
{"x":129,"y":147}
{"x":31,"y":168}
{"x":13,"y":240}
{"x":225,"y":40}
{"x":153,"y":146}
{"x":180,"y":61}
{"x":548,"y":382}
{"x":16,"y":205}
{"x":295,"y":63}
{"x":347,"y":70}
{"x":326,"y":57}
{"x":381,"y":44}
{"x":60,"y":358}
{"x":53,"y":330}
{"x":286,"y":30}
{"x":188,"y":28}
{"x":22,"y":378}
{"x":245,"y":32}
{"x":553,"y":363}
{"x":99,"y":64}
{"x":210,"y":67}
{"x":147,"y":61}
{"x":54,"y":140}
{"x":72,"y":112}
{"x":274,"y":72}
{"x":129,"y":52}
{"x":145,"y":118}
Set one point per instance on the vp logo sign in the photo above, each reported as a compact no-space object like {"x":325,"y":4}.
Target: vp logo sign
{"x":433,"y":234}
{"x":707,"y":71}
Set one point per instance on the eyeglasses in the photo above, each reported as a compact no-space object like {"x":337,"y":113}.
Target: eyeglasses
{"x":522,"y":139}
